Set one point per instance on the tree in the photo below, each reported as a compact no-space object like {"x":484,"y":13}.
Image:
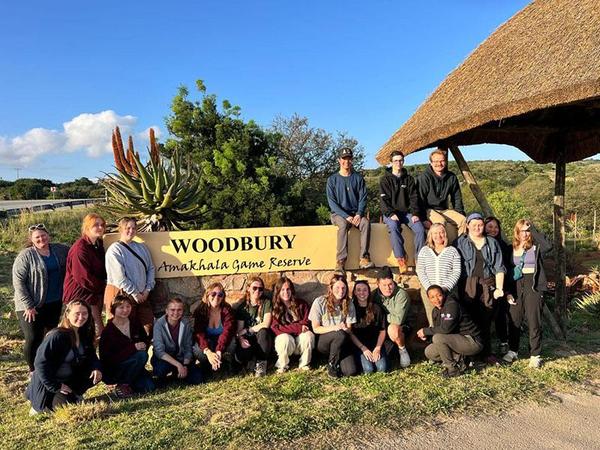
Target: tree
{"x":509,"y":208}
{"x":306,"y":156}
{"x":236,"y":159}
{"x":27,"y":189}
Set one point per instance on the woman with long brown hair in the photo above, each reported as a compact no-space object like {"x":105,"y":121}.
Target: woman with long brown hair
{"x":214,"y":327}
{"x":291,"y":326}
{"x":332,"y":316}
{"x":530,"y":282}
{"x":255,"y":340}
{"x":38,"y":274}
{"x":368,"y":333}
{"x":66,"y":364}
{"x":85,"y":277}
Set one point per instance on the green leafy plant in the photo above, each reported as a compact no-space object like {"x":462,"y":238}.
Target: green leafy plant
{"x":161,"y":195}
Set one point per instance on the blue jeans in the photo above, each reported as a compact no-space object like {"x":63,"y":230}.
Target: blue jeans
{"x":162,"y":369}
{"x":395,"y":228}
{"x":370,"y":367}
{"x":132,"y":371}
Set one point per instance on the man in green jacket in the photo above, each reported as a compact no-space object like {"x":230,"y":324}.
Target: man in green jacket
{"x":395,"y":302}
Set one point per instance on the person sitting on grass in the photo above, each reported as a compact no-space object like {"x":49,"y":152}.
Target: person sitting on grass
{"x":291,"y":326}
{"x":368,"y":333}
{"x":255,"y":340}
{"x":124,"y":350}
{"x":65,"y":364}
{"x":214,"y":328}
{"x":395,"y":303}
{"x":172,"y":342}
{"x":332,"y":316}
{"x":453,"y":334}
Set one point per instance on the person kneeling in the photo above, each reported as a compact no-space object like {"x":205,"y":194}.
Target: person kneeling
{"x":172,"y":341}
{"x":454,"y":334}
{"x":124,"y":350}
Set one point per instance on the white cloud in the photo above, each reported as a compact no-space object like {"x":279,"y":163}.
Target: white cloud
{"x":145,"y":135}
{"x":89,"y":132}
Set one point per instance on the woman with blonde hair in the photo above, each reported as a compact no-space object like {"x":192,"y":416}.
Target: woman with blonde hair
{"x":130,"y":271}
{"x":38,"y":274}
{"x":437,"y":263}
{"x":214,"y":327}
{"x":332,"y":316}
{"x":530,"y":282}
{"x":291,"y":326}
{"x":85,"y":277}
{"x":255,"y":340}
{"x":66,"y":364}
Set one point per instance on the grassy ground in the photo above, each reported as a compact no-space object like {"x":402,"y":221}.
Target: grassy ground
{"x":294,"y":409}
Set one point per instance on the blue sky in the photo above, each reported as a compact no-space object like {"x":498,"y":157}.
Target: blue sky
{"x":72,"y":69}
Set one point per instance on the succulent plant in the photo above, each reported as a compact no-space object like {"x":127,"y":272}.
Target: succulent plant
{"x":161,"y":195}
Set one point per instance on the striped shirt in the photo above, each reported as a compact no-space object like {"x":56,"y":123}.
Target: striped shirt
{"x":443,"y":269}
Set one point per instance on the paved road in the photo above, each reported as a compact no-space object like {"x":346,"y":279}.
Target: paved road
{"x":18,"y":204}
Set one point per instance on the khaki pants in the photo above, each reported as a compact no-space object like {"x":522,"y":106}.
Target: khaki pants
{"x":342,"y":236}
{"x":427,"y":305}
{"x":454,"y":222}
{"x":287,"y":345}
{"x":448,"y":348}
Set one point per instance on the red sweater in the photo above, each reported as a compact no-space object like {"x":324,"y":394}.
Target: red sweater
{"x":228,"y":322}
{"x":85,"y":277}
{"x":294,"y":328}
{"x":115,"y":347}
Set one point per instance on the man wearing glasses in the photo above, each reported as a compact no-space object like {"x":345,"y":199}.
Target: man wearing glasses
{"x":435,"y":185}
{"x":400,"y":205}
{"x":347,"y":198}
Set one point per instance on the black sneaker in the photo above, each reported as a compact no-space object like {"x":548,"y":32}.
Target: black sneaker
{"x":333,"y":370}
{"x":451,"y":373}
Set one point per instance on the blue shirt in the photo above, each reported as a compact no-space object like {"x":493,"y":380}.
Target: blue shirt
{"x":55,"y":285}
{"x":347,"y":196}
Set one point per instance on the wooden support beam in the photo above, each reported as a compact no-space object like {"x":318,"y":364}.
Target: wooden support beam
{"x":471,"y":181}
{"x":560,"y":294}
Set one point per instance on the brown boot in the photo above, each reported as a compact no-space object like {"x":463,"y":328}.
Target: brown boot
{"x":402,"y":267}
{"x":365,"y":262}
{"x":339,"y":266}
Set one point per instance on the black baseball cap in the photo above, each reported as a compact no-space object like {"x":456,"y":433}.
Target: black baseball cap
{"x":346,"y":152}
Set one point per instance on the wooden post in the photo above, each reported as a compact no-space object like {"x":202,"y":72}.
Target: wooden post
{"x":471,"y":181}
{"x":560,"y":295}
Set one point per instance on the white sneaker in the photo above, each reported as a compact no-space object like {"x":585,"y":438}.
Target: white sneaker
{"x":535,"y":362}
{"x":281,"y":369}
{"x":510,"y":356}
{"x":404,"y":358}
{"x":33,"y":412}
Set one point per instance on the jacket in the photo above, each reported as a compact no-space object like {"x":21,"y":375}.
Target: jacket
{"x":228,"y":322}
{"x":115,"y":347}
{"x":294,"y":328}
{"x":30,"y":277}
{"x":85,"y":277}
{"x":398,"y":194}
{"x":396,"y":307}
{"x":492,"y":256}
{"x":452,"y":319}
{"x":542,"y":246}
{"x":163,"y":343}
{"x":434,"y":191}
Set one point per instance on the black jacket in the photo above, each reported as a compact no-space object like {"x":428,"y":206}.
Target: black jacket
{"x":434,"y":191}
{"x":452,"y":319}
{"x":542,"y":247}
{"x":398,"y":195}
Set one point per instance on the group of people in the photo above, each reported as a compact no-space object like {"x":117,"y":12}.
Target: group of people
{"x":465,"y":287}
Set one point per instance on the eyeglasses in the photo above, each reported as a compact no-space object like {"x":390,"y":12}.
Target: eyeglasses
{"x":440,"y":161}
{"x":257,"y":288}
{"x":39,"y":226}
{"x":219,"y":294}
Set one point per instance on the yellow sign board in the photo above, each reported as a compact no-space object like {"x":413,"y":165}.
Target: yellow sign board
{"x":252,"y":250}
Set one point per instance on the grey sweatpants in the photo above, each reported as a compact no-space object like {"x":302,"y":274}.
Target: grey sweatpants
{"x":448,"y":348}
{"x":342,"y":236}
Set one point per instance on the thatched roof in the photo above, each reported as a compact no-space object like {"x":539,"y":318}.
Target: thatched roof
{"x":534,"y":84}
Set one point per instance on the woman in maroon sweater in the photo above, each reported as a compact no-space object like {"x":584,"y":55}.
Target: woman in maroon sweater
{"x":290,"y":324}
{"x":214,"y":327}
{"x":85,"y":277}
{"x":124,"y":351}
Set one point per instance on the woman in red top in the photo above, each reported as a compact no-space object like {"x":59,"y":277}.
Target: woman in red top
{"x":214,"y":327}
{"x":85,"y":277}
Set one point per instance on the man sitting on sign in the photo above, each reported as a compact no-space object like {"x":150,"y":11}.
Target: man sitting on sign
{"x":347,"y":198}
{"x":435,"y":185}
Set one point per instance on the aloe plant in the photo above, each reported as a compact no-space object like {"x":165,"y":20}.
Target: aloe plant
{"x":161,"y":195}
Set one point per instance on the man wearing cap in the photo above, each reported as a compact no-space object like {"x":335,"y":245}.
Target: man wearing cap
{"x":453,"y":334}
{"x":435,"y":185}
{"x":400,"y":205}
{"x":347,"y":198}
{"x":395,"y":302}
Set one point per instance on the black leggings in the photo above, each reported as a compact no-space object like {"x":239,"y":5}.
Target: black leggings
{"x":46,"y":318}
{"x":529,"y":307}
{"x":261,"y":344}
{"x":338,"y":348}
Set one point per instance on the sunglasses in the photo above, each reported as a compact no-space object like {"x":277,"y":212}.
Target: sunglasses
{"x":39,"y":226}
{"x":257,"y":288}
{"x":219,"y":294}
